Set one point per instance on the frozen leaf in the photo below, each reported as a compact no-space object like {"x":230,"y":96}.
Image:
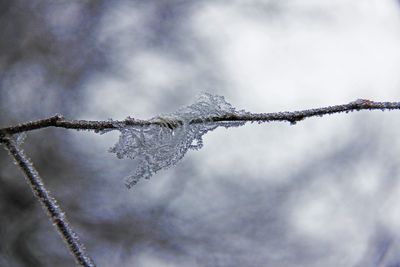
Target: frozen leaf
{"x":164,"y":142}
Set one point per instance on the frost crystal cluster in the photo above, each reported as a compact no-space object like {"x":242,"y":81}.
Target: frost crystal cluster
{"x":166,"y":140}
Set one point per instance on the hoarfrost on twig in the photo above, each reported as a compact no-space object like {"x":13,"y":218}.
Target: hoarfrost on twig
{"x":20,"y":139}
{"x":164,"y":142}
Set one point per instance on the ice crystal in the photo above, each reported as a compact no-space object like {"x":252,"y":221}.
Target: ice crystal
{"x":166,"y":140}
{"x":19,"y":139}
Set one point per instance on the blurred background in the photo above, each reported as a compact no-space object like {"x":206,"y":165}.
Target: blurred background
{"x":324,"y":192}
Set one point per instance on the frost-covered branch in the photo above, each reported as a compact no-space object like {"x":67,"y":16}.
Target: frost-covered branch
{"x":157,"y":143}
{"x":53,"y":210}
{"x":162,"y":141}
{"x":288,"y":116}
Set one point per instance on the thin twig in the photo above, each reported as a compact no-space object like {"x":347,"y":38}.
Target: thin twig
{"x":292,"y":117}
{"x":49,"y":203}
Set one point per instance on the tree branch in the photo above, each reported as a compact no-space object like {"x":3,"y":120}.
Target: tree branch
{"x":55,"y":213}
{"x":292,"y":117}
{"x":49,"y":203}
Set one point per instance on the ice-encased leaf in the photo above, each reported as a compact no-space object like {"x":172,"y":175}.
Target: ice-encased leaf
{"x":161,"y":145}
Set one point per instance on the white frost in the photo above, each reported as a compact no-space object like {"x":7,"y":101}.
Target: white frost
{"x":159,"y":146}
